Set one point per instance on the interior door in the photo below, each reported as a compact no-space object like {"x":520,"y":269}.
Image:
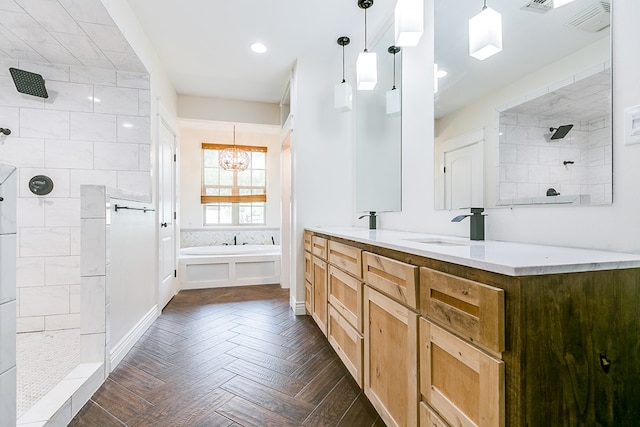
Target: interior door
{"x":464,"y":177}
{"x":167,"y":214}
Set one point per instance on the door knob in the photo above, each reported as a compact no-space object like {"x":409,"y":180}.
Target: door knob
{"x":163,"y":224}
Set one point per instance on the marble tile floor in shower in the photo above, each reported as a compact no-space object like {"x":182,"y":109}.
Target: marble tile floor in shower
{"x":43,"y":360}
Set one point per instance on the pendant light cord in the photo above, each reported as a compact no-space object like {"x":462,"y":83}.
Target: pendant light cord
{"x":394,"y":72}
{"x":365,"y":30}
{"x":343,"y":80}
{"x":485,"y":5}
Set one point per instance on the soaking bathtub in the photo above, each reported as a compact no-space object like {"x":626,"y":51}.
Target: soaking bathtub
{"x":234,"y":265}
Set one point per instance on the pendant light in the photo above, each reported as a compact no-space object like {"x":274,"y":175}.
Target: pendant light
{"x":408,"y":22}
{"x":343,"y":93}
{"x":485,"y":33}
{"x":393,"y":95}
{"x":233,"y":158}
{"x":366,"y":65}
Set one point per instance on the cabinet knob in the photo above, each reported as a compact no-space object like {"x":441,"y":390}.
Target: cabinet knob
{"x":163,"y":224}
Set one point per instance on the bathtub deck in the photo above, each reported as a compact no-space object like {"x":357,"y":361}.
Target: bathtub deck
{"x":230,"y":357}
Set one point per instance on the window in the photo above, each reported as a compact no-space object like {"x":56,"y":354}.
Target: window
{"x":234,"y":197}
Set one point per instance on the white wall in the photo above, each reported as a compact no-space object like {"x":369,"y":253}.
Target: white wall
{"x":228,"y":110}
{"x":322,"y":160}
{"x":191,"y":213}
{"x":611,"y":227}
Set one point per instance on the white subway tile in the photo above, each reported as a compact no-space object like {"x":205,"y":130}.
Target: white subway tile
{"x":22,"y":152}
{"x":75,"y":241}
{"x":92,"y":177}
{"x":107,"y":37}
{"x":528,"y":190}
{"x":133,"y":80}
{"x":84,"y":11}
{"x":7,"y":336}
{"x":136,"y":182}
{"x":49,"y":72}
{"x":51,"y":241}
{"x":60,"y":178}
{"x":29,"y":324}
{"x":145,"y":157}
{"x":9,"y":96}
{"x":144,"y":103}
{"x":30,"y":212}
{"x":115,"y":156}
{"x":550,"y":156}
{"x":92,"y":347}
{"x":30,"y":272}
{"x":98,"y":64}
{"x":54,"y":53}
{"x":62,"y":321}
{"x":62,"y":270}
{"x":69,"y":96}
{"x":126,"y":61}
{"x":10,"y":118}
{"x":528,"y":155}
{"x":8,"y":403}
{"x":93,"y":301}
{"x":44,"y":301}
{"x":62,"y":213}
{"x":517,"y":173}
{"x":134,"y":129}
{"x":44,"y":123}
{"x":81,"y":46}
{"x":116,"y":100}
{"x":7,"y":267}
{"x":93,"y":76}
{"x":74,"y":299}
{"x":93,"y":127}
{"x":71,"y":154}
{"x":93,"y":244}
{"x":92,"y":201}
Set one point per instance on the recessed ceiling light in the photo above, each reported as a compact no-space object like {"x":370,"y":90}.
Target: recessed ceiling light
{"x":258,"y":48}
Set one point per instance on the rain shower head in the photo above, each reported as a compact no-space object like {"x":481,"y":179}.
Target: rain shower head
{"x":29,"y":83}
{"x":560,"y":132}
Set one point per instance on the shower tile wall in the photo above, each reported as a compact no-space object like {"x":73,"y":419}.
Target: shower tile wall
{"x":93,"y":129}
{"x":530,"y":163}
{"x":8,"y":372}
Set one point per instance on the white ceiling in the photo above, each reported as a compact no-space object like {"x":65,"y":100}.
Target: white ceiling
{"x":204,"y":44}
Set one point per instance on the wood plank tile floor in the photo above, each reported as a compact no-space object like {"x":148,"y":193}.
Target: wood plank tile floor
{"x":230,"y":357}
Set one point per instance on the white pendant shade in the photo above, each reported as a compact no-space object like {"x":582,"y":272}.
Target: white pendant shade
{"x":343,"y":97}
{"x":393,"y":103}
{"x":409,"y":16}
{"x":485,"y":34}
{"x":558,"y":3}
{"x":367,"y":70}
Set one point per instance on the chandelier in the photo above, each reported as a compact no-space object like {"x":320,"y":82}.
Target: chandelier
{"x":233,"y":158}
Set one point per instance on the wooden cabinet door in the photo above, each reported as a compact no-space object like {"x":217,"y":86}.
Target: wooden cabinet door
{"x":463,"y":383}
{"x":319,"y":247}
{"x":308,"y":297}
{"x":390,"y":359}
{"x":319,"y":313}
{"x":345,"y":294}
{"x":429,"y":418}
{"x":346,"y":257}
{"x":307,"y":241}
{"x":347,"y":343}
{"x":308,"y":267}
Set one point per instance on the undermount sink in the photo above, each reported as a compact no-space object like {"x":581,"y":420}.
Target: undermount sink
{"x":440,"y":242}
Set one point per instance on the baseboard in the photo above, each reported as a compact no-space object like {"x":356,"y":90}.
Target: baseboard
{"x":297,"y":306}
{"x":121,"y":349}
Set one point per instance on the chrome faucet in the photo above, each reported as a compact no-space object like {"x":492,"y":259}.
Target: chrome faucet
{"x":477,"y":223}
{"x":372,"y":220}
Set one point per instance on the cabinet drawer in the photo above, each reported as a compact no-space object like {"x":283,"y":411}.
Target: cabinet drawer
{"x":345,"y":294}
{"x":308,"y":267}
{"x":464,"y":384}
{"x":347,"y":342}
{"x":307,"y":241}
{"x":429,"y":418}
{"x":346,"y":257}
{"x":473,"y":310}
{"x":319,"y":247}
{"x":394,"y":278}
{"x":308,"y":297}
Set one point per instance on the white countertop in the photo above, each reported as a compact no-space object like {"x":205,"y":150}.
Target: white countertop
{"x":512,"y":259}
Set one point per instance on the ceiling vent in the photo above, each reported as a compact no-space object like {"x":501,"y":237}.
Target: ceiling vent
{"x":538,"y":6}
{"x":592,"y":19}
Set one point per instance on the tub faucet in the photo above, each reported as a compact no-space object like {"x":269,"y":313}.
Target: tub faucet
{"x":477,"y":223}
{"x":235,"y":240}
{"x":372,"y":220}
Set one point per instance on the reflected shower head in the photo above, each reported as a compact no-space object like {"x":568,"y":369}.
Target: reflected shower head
{"x":560,"y":132}
{"x":29,"y":83}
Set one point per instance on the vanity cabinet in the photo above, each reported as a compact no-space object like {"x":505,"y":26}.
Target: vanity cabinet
{"x":319,"y":301}
{"x":391,"y":358}
{"x":397,"y":279}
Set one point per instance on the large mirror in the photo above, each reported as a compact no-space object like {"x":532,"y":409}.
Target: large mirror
{"x":532,"y":123}
{"x":379,"y":135}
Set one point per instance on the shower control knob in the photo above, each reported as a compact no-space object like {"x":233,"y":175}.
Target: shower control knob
{"x":1,"y":199}
{"x":163,"y":224}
